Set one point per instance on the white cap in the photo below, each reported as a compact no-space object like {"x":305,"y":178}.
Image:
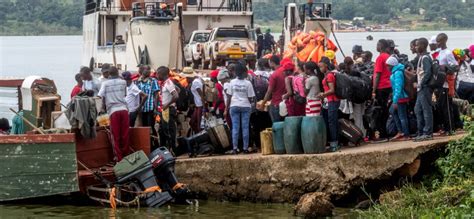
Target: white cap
{"x":392,"y":61}
{"x":433,"y":39}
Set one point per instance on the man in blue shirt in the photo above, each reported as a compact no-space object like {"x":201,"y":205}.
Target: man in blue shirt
{"x":149,"y":86}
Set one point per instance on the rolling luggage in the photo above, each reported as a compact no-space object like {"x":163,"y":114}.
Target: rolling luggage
{"x":351,"y":132}
{"x":198,"y":144}
{"x":220,"y":137}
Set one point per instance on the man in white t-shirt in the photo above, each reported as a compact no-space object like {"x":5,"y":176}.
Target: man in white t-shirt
{"x":444,"y":99}
{"x":197,"y":89}
{"x":169,"y":96}
{"x":135,"y":98}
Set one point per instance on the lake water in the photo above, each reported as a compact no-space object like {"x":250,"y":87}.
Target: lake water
{"x":58,"y":58}
{"x":205,"y":210}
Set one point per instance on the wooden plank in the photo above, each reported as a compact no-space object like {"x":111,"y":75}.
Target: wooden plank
{"x":37,"y":169}
{"x":36,"y":138}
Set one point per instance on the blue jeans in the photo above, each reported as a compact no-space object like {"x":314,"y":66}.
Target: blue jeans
{"x":424,"y":112}
{"x":274,"y":112}
{"x":333,"y":121}
{"x":400,"y":117}
{"x":240,"y":118}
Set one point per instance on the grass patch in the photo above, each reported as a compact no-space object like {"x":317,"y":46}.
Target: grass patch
{"x":450,"y":195}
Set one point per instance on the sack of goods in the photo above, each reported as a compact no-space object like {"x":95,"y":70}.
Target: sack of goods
{"x":266,"y":141}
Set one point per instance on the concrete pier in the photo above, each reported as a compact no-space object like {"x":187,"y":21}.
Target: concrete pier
{"x":285,"y":178}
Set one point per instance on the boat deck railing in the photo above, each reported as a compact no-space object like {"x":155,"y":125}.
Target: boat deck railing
{"x":154,"y":8}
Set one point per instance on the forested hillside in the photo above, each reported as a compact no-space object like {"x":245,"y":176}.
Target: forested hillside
{"x":56,"y":17}
{"x":453,"y":13}
{"x":41,"y":17}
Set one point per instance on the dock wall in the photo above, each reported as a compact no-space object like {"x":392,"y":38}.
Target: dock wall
{"x":285,"y":178}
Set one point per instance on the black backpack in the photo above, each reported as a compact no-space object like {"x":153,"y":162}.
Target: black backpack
{"x":184,"y":97}
{"x":260,"y":86}
{"x":438,"y":77}
{"x":361,"y":87}
{"x":343,"y":86}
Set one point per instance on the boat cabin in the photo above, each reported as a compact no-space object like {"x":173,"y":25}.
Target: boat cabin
{"x":129,"y":33}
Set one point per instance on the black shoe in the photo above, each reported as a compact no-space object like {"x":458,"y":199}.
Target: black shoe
{"x":235,"y":152}
{"x":246,"y":152}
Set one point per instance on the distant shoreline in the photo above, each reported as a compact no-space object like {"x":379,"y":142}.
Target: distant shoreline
{"x":274,"y":32}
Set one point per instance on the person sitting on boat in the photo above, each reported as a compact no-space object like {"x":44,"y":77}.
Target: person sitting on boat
{"x":113,"y":92}
{"x":4,"y":126}
{"x":78,"y":88}
{"x":89,"y":83}
{"x":317,"y":12}
{"x":164,"y":11}
{"x":119,"y":40}
{"x":308,"y":9}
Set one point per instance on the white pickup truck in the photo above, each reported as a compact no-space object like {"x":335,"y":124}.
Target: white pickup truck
{"x":229,"y":44}
{"x":194,"y":49}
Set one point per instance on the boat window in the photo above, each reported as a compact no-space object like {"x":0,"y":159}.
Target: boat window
{"x":232,"y":33}
{"x":201,"y":37}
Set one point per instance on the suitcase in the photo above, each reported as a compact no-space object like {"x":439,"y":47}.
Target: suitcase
{"x":351,"y":132}
{"x":219,"y":136}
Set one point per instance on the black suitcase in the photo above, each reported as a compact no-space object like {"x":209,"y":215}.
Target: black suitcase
{"x":351,"y":132}
{"x":198,"y":144}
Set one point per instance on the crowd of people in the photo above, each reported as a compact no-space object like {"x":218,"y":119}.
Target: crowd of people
{"x":404,"y":103}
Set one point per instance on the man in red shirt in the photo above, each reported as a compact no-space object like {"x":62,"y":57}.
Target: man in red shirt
{"x":78,"y":88}
{"x":382,"y":88}
{"x":276,"y":89}
{"x":219,"y":104}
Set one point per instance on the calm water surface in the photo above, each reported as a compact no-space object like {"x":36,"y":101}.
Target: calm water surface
{"x":59,"y":58}
{"x":205,"y":209}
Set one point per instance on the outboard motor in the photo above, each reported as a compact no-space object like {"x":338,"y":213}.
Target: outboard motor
{"x":163,"y":165}
{"x":136,"y":167}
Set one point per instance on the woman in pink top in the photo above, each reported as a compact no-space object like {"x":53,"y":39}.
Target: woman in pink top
{"x":294,"y":97}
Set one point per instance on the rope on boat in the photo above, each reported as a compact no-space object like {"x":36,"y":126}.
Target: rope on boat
{"x":113,"y":200}
{"x":338,"y":45}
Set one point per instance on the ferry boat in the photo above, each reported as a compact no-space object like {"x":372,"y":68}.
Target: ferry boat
{"x":129,"y":33}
